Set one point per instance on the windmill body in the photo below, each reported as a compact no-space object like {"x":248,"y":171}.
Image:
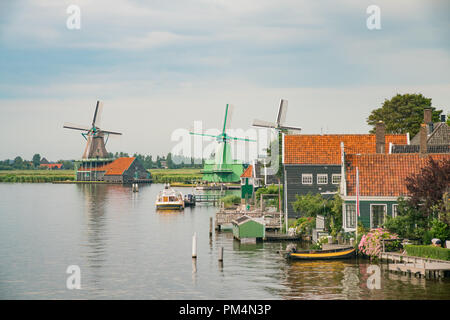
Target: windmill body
{"x":223,"y":168}
{"x":95,"y":137}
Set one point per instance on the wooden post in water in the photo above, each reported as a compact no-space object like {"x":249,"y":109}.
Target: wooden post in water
{"x":194,"y":246}
{"x":210,"y":226}
{"x":221,"y":254}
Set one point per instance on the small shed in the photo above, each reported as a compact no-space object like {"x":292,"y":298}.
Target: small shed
{"x":246,"y":227}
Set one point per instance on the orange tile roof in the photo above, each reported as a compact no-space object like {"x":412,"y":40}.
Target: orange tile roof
{"x":51,"y":165}
{"x":248,"y":173}
{"x":384,"y":174}
{"x":117,"y":167}
{"x":326,"y":149}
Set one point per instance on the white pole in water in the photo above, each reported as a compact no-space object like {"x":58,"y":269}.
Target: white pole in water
{"x":194,"y":245}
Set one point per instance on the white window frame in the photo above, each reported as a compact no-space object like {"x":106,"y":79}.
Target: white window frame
{"x":307,"y":175}
{"x":394,"y":211}
{"x":346,"y":215}
{"x":385,"y":212}
{"x":334,"y":176}
{"x":322,"y":175}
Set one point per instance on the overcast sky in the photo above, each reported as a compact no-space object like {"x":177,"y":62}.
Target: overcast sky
{"x":161,"y":65}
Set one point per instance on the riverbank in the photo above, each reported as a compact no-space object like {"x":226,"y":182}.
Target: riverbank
{"x":184,"y":176}
{"x":30,"y":176}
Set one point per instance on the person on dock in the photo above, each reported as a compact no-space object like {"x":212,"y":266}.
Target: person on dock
{"x":436,"y":242}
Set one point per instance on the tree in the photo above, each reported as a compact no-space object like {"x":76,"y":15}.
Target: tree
{"x":403,"y":113}
{"x":427,"y":187}
{"x":36,"y":160}
{"x":18,"y":163}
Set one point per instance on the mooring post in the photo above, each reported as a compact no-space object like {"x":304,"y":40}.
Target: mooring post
{"x":194,"y":245}
{"x":220,"y":253}
{"x":210,"y":226}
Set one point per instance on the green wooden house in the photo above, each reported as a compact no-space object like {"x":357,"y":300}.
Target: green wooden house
{"x":381,"y":182}
{"x":246,"y":227}
{"x":249,"y":182}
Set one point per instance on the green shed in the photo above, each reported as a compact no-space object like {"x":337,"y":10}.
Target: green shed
{"x":246,"y":227}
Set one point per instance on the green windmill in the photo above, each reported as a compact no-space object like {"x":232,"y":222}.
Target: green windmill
{"x":223,"y":168}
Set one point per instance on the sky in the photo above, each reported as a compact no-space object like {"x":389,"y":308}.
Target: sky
{"x":159,"y":66}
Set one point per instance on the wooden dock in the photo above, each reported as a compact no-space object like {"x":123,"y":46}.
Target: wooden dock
{"x":417,"y":266}
{"x":224,"y":217}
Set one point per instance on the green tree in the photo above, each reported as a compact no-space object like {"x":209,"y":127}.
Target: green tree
{"x":36,"y":160}
{"x":403,"y":113}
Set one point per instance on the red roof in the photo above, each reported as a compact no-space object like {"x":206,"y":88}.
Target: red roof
{"x":326,"y":149}
{"x":117,"y":167}
{"x":248,"y":173}
{"x":51,"y":165}
{"x":384,"y":174}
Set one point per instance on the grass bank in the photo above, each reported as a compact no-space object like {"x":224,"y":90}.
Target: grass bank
{"x":175,"y":175}
{"x":36,"y":175}
{"x":158,"y":175}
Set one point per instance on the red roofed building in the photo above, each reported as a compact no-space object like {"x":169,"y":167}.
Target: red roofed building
{"x":382,"y":182}
{"x":313,"y":163}
{"x":249,"y":182}
{"x":51,"y":166}
{"x":120,"y":170}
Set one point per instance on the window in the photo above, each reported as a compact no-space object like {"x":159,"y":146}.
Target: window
{"x":377,"y":214}
{"x":394,"y":210}
{"x":322,"y":179}
{"x":350,"y":215}
{"x":336,"y":179}
{"x":307,"y":178}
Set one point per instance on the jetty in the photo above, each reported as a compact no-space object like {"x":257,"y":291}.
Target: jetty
{"x":417,"y":266}
{"x":225,"y":216}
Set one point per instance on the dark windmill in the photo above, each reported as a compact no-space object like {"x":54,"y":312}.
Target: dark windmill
{"x":95,"y":137}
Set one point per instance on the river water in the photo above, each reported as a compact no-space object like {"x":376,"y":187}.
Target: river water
{"x":127,"y":250}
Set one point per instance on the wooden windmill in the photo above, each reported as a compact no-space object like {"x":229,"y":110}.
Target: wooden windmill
{"x":95,"y":137}
{"x":223,"y":168}
{"x":278,"y":125}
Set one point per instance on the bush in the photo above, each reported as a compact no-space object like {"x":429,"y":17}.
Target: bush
{"x":370,"y":243}
{"x":428,"y":252}
{"x":305,"y":225}
{"x":440,"y":230}
{"x":231,"y":200}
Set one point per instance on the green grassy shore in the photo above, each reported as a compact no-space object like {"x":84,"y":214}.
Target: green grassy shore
{"x":159,"y":175}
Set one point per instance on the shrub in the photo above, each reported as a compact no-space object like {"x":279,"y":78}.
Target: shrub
{"x":370,"y":243}
{"x":231,"y":200}
{"x":304,"y":225}
{"x":428,"y":252}
{"x":440,"y":230}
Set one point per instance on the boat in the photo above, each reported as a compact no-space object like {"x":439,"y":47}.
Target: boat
{"x":169,"y":199}
{"x":332,"y":254}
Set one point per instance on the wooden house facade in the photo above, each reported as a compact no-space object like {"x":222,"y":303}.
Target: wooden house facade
{"x":313,"y":163}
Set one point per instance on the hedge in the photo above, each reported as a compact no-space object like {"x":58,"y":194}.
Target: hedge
{"x":428,"y":252}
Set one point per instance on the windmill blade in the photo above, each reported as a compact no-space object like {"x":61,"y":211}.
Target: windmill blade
{"x":263,"y":124}
{"x":281,"y":117}
{"x":241,"y":139}
{"x":88,"y":147}
{"x":97,"y":114}
{"x":228,"y":117}
{"x":203,"y":134}
{"x":73,"y":126}
{"x":110,"y":132}
{"x":291,"y":128}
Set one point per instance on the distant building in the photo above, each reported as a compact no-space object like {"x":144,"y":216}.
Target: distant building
{"x":120,"y":170}
{"x":382,"y":182}
{"x":313,"y":163}
{"x":249,"y":182}
{"x":44,"y":161}
{"x":432,"y":138}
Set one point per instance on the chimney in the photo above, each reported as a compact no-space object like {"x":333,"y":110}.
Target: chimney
{"x":423,"y":138}
{"x":380,"y":132}
{"x":427,"y":115}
